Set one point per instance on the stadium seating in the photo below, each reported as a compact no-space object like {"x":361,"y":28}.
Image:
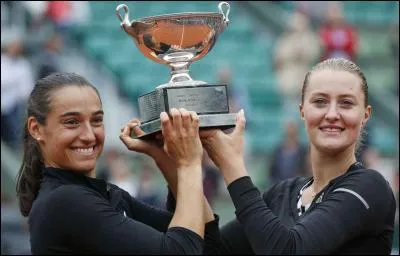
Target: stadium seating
{"x":360,"y":13}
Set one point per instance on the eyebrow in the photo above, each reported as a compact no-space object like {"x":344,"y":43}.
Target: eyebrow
{"x":99,"y":112}
{"x":341,"y":95}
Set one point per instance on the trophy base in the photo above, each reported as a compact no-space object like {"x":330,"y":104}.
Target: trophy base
{"x":210,"y":102}
{"x":221,"y":121}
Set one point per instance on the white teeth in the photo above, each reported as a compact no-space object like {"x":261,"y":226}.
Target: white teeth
{"x":331,"y":129}
{"x":84,"y":151}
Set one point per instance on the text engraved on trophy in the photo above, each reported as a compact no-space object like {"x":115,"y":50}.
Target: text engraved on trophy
{"x":189,"y":100}
{"x":202,"y":99}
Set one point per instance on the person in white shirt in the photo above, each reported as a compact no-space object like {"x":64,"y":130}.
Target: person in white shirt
{"x":17,"y":81}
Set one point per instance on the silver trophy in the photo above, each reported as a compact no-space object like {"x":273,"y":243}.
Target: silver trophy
{"x":177,"y":40}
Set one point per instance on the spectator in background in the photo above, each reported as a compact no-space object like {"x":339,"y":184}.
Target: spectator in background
{"x":296,"y":51}
{"x":121,"y":176}
{"x":290,"y":158}
{"x":16,"y":84}
{"x":339,"y":39}
{"x":66,"y":14}
{"x":49,"y":57}
{"x":38,"y":28}
{"x":37,"y":11}
{"x":146,"y":189}
{"x":315,"y":10}
{"x":14,"y":14}
{"x":59,"y":12}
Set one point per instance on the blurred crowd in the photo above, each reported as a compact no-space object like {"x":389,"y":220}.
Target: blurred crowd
{"x":34,"y":34}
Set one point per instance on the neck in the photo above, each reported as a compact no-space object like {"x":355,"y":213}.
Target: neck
{"x":90,"y":174}
{"x":327,"y":167}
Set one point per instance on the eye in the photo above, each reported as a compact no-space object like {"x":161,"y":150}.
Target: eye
{"x":98,"y":120}
{"x":346,"y":103}
{"x":319,"y":102}
{"x":71,"y":122}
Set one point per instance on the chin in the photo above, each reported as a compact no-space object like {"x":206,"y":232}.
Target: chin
{"x":332,"y":148}
{"x":86,"y":166}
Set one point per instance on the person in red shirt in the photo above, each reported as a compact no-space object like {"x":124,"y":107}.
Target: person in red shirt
{"x":338,"y":38}
{"x":59,"y":12}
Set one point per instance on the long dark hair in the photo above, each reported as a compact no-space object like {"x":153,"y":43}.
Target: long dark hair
{"x":39,"y":105}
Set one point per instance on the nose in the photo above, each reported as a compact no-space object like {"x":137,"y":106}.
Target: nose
{"x":87,"y":133}
{"x":332,"y":114}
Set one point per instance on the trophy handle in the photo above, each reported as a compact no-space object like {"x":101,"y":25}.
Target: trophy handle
{"x":226,"y":13}
{"x":125,"y":20}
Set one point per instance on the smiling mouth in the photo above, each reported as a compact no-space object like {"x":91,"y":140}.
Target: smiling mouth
{"x":330,"y":130}
{"x":85,"y":151}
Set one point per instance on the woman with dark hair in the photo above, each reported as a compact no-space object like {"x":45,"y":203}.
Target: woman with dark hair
{"x":70,"y":210}
{"x":343,"y":208}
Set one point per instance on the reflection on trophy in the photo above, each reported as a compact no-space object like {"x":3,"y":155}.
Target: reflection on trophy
{"x":177,"y":40}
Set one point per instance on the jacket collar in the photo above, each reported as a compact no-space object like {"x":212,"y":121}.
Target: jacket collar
{"x":66,"y":176}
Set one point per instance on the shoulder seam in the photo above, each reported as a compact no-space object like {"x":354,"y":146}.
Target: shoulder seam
{"x":355,"y":194}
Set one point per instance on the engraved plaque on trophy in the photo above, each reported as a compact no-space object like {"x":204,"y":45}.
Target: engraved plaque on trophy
{"x":177,"y":40}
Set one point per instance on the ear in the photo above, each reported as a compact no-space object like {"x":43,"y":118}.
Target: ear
{"x":367,"y":114}
{"x":35,"y":129}
{"x":301,"y":109}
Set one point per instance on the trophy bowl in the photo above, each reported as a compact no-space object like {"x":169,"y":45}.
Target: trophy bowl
{"x":177,"y":40}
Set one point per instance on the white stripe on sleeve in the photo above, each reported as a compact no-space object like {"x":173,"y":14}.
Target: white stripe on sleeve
{"x":355,"y":194}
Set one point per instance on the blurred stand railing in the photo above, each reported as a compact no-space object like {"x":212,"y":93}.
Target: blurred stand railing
{"x":269,"y":13}
{"x":386,"y":105}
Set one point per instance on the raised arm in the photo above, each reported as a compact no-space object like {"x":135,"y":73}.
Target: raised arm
{"x":341,"y":217}
{"x":183,"y":145}
{"x":167,"y":166}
